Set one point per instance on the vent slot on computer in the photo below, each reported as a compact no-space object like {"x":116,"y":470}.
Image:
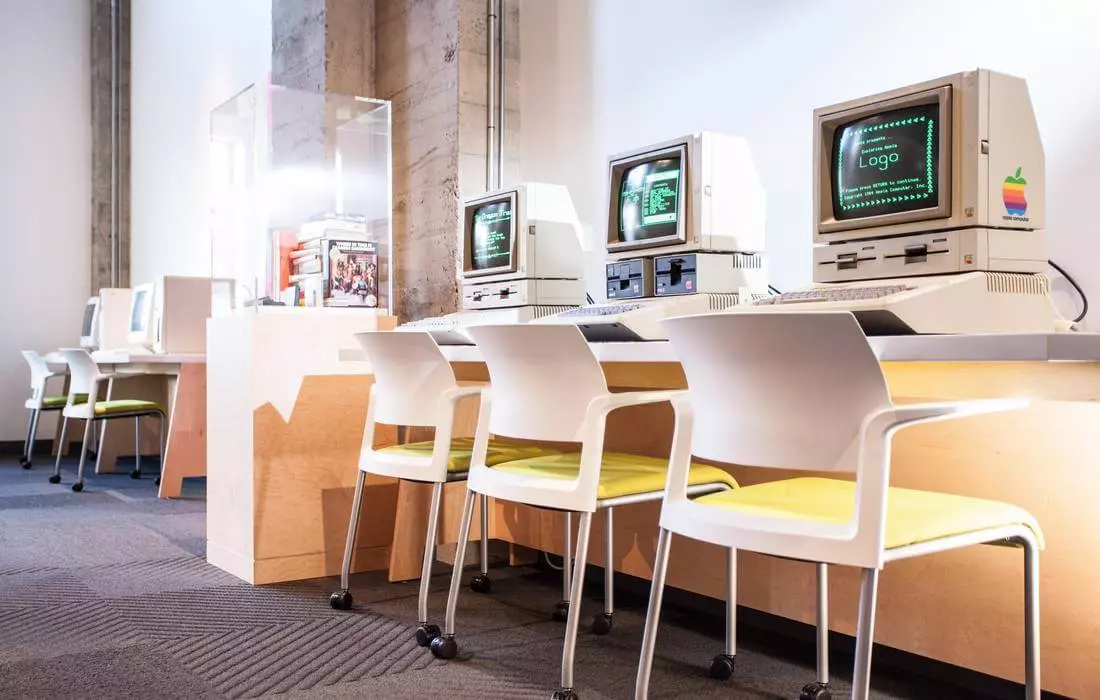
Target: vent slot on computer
{"x":1013,"y":283}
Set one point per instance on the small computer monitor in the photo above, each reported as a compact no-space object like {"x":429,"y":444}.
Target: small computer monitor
{"x":958,"y":152}
{"x":492,"y":240}
{"x":141,"y":314}
{"x":528,"y":231}
{"x":695,"y":193}
{"x":89,"y":329}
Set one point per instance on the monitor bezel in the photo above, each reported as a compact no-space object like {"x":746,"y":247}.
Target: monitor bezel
{"x":617,"y":167}
{"x":827,"y":126}
{"x":511,"y":196}
{"x":90,"y":336}
{"x":141,"y":289}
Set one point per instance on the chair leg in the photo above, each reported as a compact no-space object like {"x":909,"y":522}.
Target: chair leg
{"x":341,"y":599}
{"x":136,"y":473}
{"x":865,"y":634}
{"x":653,"y":615}
{"x":103,"y":427}
{"x":722,"y":666}
{"x":1032,"y":682}
{"x":55,"y":478}
{"x":445,"y":646}
{"x":820,"y":687}
{"x":425,"y":633}
{"x":25,"y":458}
{"x":481,"y":582}
{"x":88,"y":425}
{"x":602,"y":623}
{"x":580,"y":559}
{"x":161,"y":418}
{"x":561,"y":610}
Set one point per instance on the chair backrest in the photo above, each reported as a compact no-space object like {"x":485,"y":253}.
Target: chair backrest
{"x":410,"y":376}
{"x":786,"y":390}
{"x":83,"y":372}
{"x":543,"y":379}
{"x":40,"y":372}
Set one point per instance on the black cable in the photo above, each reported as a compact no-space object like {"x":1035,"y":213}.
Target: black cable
{"x":773,"y":290}
{"x":1073,"y":283}
{"x":589,"y":298}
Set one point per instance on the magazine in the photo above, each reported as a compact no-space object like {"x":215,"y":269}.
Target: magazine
{"x":350,"y":272}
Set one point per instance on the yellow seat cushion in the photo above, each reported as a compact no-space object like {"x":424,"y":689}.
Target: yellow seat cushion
{"x":911,"y":516}
{"x":462,"y":450}
{"x":620,"y":474}
{"x":107,"y":408}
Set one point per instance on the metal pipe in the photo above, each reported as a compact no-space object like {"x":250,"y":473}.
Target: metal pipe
{"x":491,"y":108}
{"x":113,"y":239}
{"x":500,"y":95}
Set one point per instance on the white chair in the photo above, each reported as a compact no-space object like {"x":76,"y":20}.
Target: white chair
{"x":548,"y":386}
{"x":414,"y":386}
{"x":805,"y":391}
{"x":38,"y":402}
{"x":83,"y":404}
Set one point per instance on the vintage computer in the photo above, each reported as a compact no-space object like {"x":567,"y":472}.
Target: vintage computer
{"x":89,"y":330}
{"x":929,"y":210}
{"x":685,"y":234}
{"x":113,"y":319}
{"x":141,"y":317}
{"x":521,"y":259}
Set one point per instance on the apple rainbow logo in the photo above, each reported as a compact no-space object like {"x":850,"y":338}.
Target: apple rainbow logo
{"x":1013,"y":194}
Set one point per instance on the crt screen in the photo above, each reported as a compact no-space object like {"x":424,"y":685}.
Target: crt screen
{"x":887,"y":163}
{"x":138,"y":311}
{"x":491,"y":244}
{"x":89,"y":316}
{"x":649,"y":200}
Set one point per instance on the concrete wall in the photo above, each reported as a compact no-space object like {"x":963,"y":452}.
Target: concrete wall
{"x":188,"y":57}
{"x":758,"y":69}
{"x":45,"y":176}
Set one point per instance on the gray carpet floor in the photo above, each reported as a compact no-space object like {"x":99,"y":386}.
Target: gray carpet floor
{"x":107,"y":594}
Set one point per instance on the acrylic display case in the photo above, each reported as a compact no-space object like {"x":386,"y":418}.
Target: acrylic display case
{"x":301,"y":202}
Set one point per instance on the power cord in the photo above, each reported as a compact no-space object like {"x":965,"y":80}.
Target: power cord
{"x":1077,"y":287}
{"x":773,"y":290}
{"x":589,"y":297}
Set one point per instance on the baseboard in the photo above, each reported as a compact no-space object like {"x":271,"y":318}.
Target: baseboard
{"x":789,"y":638}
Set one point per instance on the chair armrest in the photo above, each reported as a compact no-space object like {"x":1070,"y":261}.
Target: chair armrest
{"x":905,"y":415}
{"x":456,"y":394}
{"x":611,"y":402}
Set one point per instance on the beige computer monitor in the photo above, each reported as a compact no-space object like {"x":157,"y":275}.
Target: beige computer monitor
{"x":962,"y":151}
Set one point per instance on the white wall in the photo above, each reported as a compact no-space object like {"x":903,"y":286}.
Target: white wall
{"x":188,"y":56}
{"x":45,"y":189}
{"x":600,"y":76}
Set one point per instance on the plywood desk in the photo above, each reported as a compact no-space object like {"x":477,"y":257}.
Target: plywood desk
{"x":964,"y":607}
{"x":178,"y":381}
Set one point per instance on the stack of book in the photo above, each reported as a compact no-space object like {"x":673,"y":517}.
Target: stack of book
{"x":331,"y":259}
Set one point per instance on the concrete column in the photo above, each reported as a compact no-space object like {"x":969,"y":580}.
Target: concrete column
{"x":110,"y":63}
{"x":428,"y":58}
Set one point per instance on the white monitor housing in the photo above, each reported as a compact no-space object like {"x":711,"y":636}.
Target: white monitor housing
{"x":114,"y":319}
{"x":89,"y":330}
{"x":697,"y":193}
{"x":183,"y":304}
{"x":521,"y":246}
{"x":939,"y":177}
{"x":142,"y":299}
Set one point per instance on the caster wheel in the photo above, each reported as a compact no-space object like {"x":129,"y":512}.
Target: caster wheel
{"x":561,"y":611}
{"x":340,"y":600}
{"x":55,"y":478}
{"x":721,"y":668}
{"x":426,"y":634}
{"x":156,"y":482}
{"x":444,"y":647}
{"x":23,"y":462}
{"x":78,"y":487}
{"x":564,"y":695}
{"x":601,"y":624}
{"x":815,"y":691}
{"x":481,"y":584}
{"x":25,"y":465}
{"x":135,"y":474}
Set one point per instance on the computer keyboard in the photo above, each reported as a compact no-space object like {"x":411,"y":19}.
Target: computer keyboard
{"x":599,"y":310}
{"x":821,"y":294}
